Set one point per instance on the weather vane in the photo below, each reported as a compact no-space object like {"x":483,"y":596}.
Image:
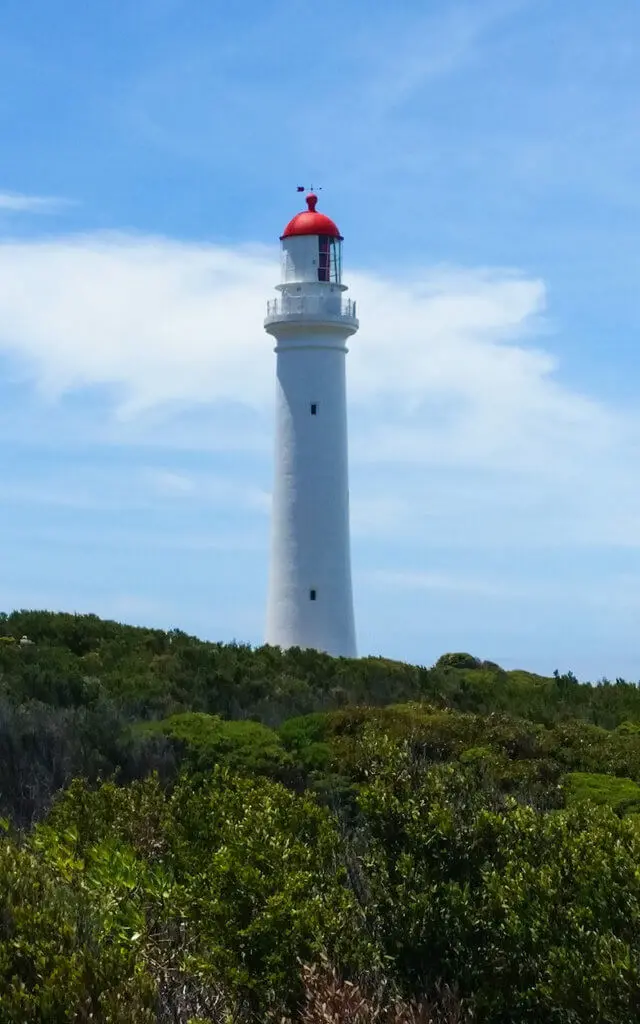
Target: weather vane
{"x":303,"y":188}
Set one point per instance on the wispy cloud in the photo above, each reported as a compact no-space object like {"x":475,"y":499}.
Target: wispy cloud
{"x":461,"y":427}
{"x":410,"y":55}
{"x":16,"y":202}
{"x":206,"y":489}
{"x":169,"y":484}
{"x":98,"y":487}
{"x":617,"y":590}
{"x":168,"y":322}
{"x":439,"y":581}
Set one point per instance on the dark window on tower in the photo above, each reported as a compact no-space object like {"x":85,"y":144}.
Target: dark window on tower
{"x":324,"y":260}
{"x":314,"y":408}
{"x":312,"y":595}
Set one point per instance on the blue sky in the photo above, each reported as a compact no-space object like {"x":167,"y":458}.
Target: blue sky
{"x":482,"y":160}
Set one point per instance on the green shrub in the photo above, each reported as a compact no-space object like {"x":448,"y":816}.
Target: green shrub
{"x":206,"y":740}
{"x":622,"y":795}
{"x":460,"y":660}
{"x":70,"y":935}
{"x":407,"y":826}
{"x":535,"y":915}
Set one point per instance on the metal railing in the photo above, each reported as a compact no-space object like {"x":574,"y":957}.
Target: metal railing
{"x":329,"y":308}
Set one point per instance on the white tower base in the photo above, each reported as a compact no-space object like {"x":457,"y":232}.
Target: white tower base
{"x":310,"y":602}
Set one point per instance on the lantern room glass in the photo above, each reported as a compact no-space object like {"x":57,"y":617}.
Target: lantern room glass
{"x":329,"y":259}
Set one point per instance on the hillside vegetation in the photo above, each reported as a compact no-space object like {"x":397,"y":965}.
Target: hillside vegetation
{"x":206,"y":832}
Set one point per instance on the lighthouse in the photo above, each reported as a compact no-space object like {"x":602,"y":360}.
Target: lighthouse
{"x":310,"y":599}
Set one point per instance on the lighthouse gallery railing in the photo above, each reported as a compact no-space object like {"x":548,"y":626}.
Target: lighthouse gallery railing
{"x":311,"y":305}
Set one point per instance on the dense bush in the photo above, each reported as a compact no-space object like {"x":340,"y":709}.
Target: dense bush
{"x":188,"y":824}
{"x":535,"y":914}
{"x":230,"y":883}
{"x":203,"y":741}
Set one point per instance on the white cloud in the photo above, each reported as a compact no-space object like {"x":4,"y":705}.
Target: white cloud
{"x":113,"y":488}
{"x":168,"y":484}
{"x":16,"y":202}
{"x":159,"y":320}
{"x":171,"y":322}
{"x":616,"y":591}
{"x":439,"y":581}
{"x":207,"y":489}
{"x":443,"y":376}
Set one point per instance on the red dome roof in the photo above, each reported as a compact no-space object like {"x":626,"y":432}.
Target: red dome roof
{"x":311,"y":223}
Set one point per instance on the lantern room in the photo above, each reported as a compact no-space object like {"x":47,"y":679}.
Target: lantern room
{"x":311,"y":248}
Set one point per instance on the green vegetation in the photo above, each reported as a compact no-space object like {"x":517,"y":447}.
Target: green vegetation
{"x":207,"y":832}
{"x":622,"y":795}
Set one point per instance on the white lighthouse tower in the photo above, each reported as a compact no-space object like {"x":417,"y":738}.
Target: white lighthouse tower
{"x":310,"y":602}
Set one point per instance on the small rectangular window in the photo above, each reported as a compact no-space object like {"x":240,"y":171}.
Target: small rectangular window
{"x":314,"y":408}
{"x":312,"y":595}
